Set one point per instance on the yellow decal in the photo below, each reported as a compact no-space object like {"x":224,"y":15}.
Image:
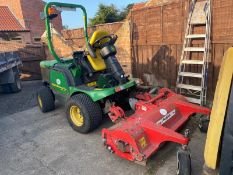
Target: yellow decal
{"x":142,"y":142}
{"x":91,"y":84}
{"x":59,"y":87}
{"x":98,"y":89}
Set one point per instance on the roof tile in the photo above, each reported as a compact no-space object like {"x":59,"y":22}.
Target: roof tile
{"x":8,"y":21}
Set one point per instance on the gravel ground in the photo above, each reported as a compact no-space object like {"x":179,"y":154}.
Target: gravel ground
{"x":26,"y":99}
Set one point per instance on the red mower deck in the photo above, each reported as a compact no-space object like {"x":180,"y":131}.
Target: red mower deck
{"x":154,"y":122}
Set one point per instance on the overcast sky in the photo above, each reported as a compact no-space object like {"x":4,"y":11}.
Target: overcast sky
{"x":74,"y":19}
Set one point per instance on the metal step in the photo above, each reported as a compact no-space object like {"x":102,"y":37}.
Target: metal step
{"x":191,"y":87}
{"x":194,"y":36}
{"x":194,"y":100}
{"x":191,"y":74}
{"x":194,"y":49}
{"x":192,"y":62}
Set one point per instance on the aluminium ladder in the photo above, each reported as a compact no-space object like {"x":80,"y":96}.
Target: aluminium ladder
{"x":193,"y":84}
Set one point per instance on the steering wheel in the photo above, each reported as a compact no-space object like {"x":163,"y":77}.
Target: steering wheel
{"x":99,"y":44}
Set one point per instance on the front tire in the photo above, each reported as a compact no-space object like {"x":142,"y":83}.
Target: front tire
{"x":45,"y":99}
{"x":83,"y":114}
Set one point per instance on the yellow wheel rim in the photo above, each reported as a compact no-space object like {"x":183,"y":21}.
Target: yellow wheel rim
{"x":40,"y":102}
{"x":76,"y":116}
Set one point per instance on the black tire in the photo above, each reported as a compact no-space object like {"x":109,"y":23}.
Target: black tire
{"x":13,"y":87}
{"x":16,"y":86}
{"x":204,"y":125}
{"x":183,"y":162}
{"x":89,"y":110}
{"x":6,"y":88}
{"x":45,"y":99}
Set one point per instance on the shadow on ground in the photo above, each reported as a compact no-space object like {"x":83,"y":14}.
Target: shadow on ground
{"x":16,"y":102}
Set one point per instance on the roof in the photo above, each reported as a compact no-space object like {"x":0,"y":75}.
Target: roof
{"x":8,"y":21}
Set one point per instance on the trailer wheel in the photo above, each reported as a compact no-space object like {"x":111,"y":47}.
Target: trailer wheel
{"x":16,"y":86}
{"x":183,"y":162}
{"x":204,"y":124}
{"x":83,"y":114}
{"x":45,"y":99}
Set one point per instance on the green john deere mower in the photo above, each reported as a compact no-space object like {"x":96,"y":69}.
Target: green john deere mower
{"x":89,"y":83}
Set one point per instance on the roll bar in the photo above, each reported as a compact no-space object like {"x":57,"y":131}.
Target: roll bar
{"x":48,"y":27}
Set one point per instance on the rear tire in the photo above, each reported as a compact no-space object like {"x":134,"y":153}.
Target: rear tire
{"x":83,"y":114}
{"x":183,"y":162}
{"x":45,"y":99}
{"x":13,"y":87}
{"x":16,"y":86}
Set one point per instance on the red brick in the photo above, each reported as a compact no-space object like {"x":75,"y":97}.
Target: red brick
{"x":28,"y":14}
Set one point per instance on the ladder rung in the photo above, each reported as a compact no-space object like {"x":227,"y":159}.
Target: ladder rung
{"x":186,"y":86}
{"x":192,"y":62}
{"x":194,"y":49}
{"x":193,"y":36}
{"x":194,"y":100}
{"x":191,"y":74}
{"x":198,"y":23}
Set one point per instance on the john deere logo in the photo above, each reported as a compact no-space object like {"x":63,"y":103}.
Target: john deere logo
{"x":58,"y":81}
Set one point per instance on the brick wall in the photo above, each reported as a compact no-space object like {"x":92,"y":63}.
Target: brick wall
{"x":123,"y":45}
{"x":157,"y":40}
{"x":122,"y":29}
{"x":28,"y":14}
{"x":76,"y":36}
{"x":31,"y":13}
{"x":31,"y":55}
{"x":62,"y":47}
{"x":26,"y":37}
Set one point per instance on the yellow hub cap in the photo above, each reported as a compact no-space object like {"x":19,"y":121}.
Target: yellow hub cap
{"x":76,"y":115}
{"x":40,"y":102}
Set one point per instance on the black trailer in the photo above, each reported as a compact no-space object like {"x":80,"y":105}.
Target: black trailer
{"x":9,"y":72}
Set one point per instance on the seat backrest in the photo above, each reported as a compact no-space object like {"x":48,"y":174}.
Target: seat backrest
{"x":97,"y":63}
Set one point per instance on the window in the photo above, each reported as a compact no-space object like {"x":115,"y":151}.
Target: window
{"x":17,"y":39}
{"x":37,"y":39}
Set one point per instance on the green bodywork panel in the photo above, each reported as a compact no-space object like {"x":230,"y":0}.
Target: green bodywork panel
{"x":48,"y":64}
{"x":58,"y":80}
{"x":105,"y":81}
{"x":98,"y":94}
{"x":76,"y":71}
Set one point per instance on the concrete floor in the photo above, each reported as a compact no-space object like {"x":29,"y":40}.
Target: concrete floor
{"x":36,"y":143}
{"x":16,"y":102}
